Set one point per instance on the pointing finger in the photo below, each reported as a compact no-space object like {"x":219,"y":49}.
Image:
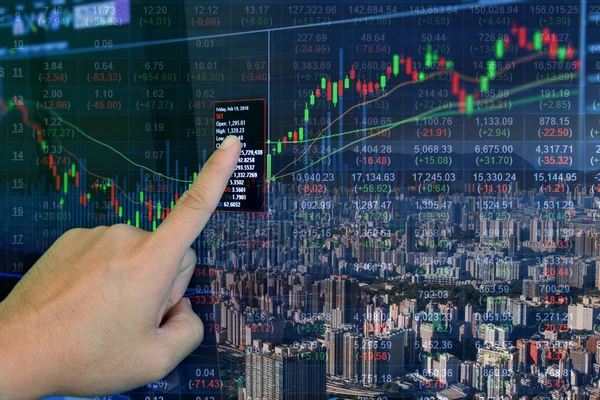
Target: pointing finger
{"x":189,"y":217}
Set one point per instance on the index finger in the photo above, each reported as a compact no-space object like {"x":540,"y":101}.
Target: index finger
{"x":189,"y":217}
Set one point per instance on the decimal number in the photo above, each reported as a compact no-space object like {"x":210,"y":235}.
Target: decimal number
{"x":311,"y":37}
{"x":491,"y":289}
{"x":434,"y":149}
{"x":551,"y":316}
{"x":555,"y":121}
{"x":433,"y":294}
{"x":155,"y":10}
{"x":312,"y":10}
{"x":434,"y":177}
{"x":554,"y":289}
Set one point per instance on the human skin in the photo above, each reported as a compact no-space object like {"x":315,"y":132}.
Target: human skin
{"x":102,"y":311}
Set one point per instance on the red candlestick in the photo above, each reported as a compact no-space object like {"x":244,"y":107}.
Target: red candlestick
{"x":461,"y":100}
{"x":553,"y":46}
{"x":546,"y":36}
{"x":514,"y":28}
{"x":455,"y":83}
{"x":522,"y":36}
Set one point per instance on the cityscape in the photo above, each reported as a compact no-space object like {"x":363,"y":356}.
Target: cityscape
{"x":415,"y":211}
{"x":475,"y":304}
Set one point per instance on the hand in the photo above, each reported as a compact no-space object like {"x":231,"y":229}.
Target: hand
{"x":103,"y":311}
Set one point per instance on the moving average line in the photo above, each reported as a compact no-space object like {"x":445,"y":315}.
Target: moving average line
{"x":430,"y":113}
{"x":432,"y":75}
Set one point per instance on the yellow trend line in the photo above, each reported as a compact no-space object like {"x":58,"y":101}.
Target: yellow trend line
{"x":129,"y":160}
{"x":432,"y":75}
{"x":427,"y":113}
{"x":381,"y":128}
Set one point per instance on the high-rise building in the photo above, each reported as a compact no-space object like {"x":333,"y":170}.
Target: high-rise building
{"x":535,"y":230}
{"x":236,"y":324}
{"x":496,"y":335}
{"x":283,"y":372}
{"x":468,"y":313}
{"x":411,"y":352}
{"x":352,"y":342}
{"x":467,"y":369}
{"x":581,"y":360}
{"x":498,"y":382}
{"x":524,"y":347}
{"x":410,"y":235}
{"x":374,"y":366}
{"x":519,"y":312}
{"x":428,"y":335}
{"x":394,"y":344}
{"x":497,"y":306}
{"x":530,"y":288}
{"x":449,"y":368}
{"x":334,"y":339}
{"x":341,"y":292}
{"x":337,"y":318}
{"x":582,"y":317}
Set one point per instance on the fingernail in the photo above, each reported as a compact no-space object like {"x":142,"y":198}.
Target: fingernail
{"x":229,"y":140}
{"x":187,"y":299}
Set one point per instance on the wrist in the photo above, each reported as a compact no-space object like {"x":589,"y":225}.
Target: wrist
{"x":20,"y":364}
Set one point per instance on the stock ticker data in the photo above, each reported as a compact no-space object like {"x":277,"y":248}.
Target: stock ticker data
{"x":415,"y":210}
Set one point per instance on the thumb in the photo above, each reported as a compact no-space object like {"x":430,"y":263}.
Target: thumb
{"x":182,"y":332}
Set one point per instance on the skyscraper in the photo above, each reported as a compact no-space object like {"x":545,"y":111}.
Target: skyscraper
{"x":449,"y":368}
{"x":341,"y":292}
{"x":410,"y":235}
{"x":519,"y":312}
{"x":581,"y":360}
{"x":373,"y":366}
{"x":582,"y":317}
{"x":351,"y":347}
{"x":284,"y":372}
{"x":334,"y":339}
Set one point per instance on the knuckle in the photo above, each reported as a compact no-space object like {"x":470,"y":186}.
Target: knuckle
{"x":123,"y":231}
{"x":99,"y":229}
{"x":74,"y":233}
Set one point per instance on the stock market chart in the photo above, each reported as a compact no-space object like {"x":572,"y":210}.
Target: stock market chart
{"x":415,"y":210}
